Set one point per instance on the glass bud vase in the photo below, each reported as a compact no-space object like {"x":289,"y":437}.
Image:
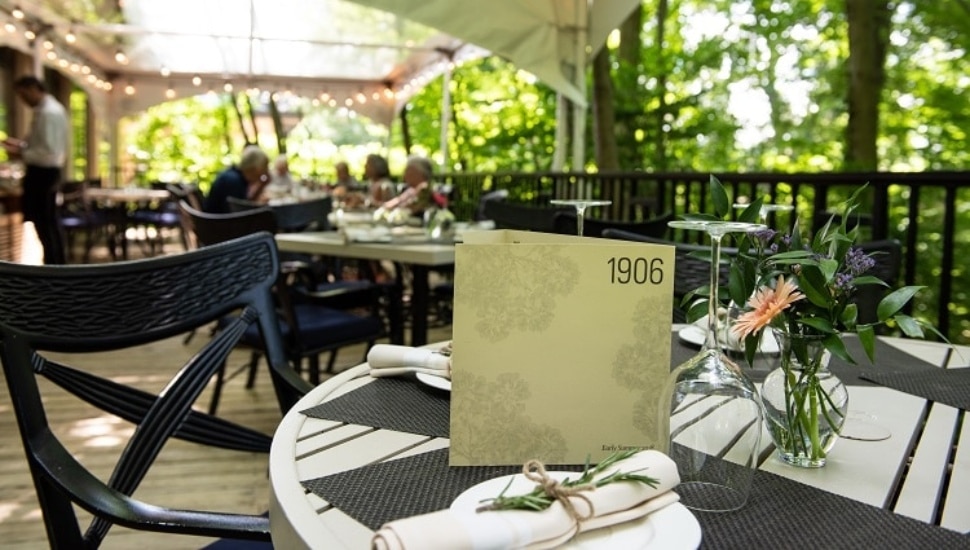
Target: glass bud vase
{"x":805,"y":404}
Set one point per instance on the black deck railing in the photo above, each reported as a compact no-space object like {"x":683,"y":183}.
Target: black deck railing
{"x":926,"y":211}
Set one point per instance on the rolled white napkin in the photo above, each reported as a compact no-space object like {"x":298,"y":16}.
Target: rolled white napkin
{"x":391,"y":360}
{"x":611,"y":504}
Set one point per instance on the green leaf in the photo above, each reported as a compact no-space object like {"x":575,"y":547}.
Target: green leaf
{"x":792,"y":255}
{"x":909,"y":325}
{"x":697,"y":310}
{"x":849,"y":316}
{"x":752,"y":214}
{"x":834,"y":343}
{"x":719,"y":197}
{"x":819,"y":324}
{"x":828,"y":267}
{"x":812,"y":285}
{"x":895,"y":301}
{"x":867,"y":336}
{"x":868,"y":280}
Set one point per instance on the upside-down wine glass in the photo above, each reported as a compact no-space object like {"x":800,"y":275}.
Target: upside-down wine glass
{"x":580,"y":205}
{"x":715,"y":415}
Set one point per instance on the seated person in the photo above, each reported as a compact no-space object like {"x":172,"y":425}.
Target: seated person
{"x":418,"y":196}
{"x":245,"y":180}
{"x":281,"y":182}
{"x":378,"y":177}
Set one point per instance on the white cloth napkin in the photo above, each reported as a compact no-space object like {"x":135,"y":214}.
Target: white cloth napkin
{"x":466,"y":530}
{"x":391,"y":360}
{"x":725,"y":337}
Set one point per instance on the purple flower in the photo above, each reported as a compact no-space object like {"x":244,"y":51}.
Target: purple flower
{"x":858,"y":262}
{"x":764,"y":235}
{"x":843,"y":281}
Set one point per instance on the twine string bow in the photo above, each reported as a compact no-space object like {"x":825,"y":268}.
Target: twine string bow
{"x":535,"y":471}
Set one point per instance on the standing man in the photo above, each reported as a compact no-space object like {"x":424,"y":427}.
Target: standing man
{"x":44,"y":153}
{"x":245,"y":180}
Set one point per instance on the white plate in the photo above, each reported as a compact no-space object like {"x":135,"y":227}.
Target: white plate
{"x":434,"y":381}
{"x":673,"y":527}
{"x":693,"y":334}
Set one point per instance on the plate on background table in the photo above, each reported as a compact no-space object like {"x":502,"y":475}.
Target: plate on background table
{"x":695,"y":335}
{"x":434,"y":381}
{"x":672,"y":527}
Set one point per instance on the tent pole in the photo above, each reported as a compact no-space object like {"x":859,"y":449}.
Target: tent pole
{"x":579,"y":111}
{"x":445,"y":114}
{"x":562,"y":136}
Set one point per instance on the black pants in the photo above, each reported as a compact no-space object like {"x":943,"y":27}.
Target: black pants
{"x":40,"y":207}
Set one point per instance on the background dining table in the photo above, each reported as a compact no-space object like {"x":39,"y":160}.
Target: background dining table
{"x":358,"y":451}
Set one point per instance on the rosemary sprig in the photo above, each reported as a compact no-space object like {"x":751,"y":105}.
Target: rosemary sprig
{"x":539,"y":500}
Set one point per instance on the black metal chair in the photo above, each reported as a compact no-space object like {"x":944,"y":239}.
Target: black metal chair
{"x":314,"y":318}
{"x":94,"y":308}
{"x":524,"y":217}
{"x":78,"y":217}
{"x":888,"y":255}
{"x":292,"y":217}
{"x":565,"y":223}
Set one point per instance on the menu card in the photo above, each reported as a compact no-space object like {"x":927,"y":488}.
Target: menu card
{"x":561,"y":347}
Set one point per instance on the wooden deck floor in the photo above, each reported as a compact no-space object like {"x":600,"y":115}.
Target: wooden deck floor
{"x":186,"y":475}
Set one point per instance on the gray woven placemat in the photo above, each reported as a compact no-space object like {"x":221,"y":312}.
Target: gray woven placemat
{"x":947,"y":386}
{"x":420,"y":484}
{"x":780,"y":513}
{"x":401,"y":404}
{"x":888,"y":360}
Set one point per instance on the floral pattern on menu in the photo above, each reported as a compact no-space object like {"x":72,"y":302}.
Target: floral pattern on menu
{"x":630,"y":365}
{"x":523,"y":288}
{"x":489,"y":409}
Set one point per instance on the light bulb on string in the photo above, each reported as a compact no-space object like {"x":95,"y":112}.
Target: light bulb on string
{"x":196,"y":80}
{"x":17,"y":13}
{"x":70,"y":37}
{"x":170,"y":92}
{"x":120,"y":57}
{"x":130,"y":89}
{"x":165,"y":71}
{"x":29,"y":34}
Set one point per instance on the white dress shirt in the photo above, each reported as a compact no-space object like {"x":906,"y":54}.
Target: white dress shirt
{"x":47,"y":141}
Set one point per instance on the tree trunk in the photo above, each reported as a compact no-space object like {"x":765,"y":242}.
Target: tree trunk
{"x":604,"y":118}
{"x":274,"y":111}
{"x":630,"y":38}
{"x":660,"y":147}
{"x":869,"y":22}
{"x":242,"y":122}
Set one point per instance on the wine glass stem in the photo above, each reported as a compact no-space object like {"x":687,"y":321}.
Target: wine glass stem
{"x":713,"y":302}
{"x":580,"y":214}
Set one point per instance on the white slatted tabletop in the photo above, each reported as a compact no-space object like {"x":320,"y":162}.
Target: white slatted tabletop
{"x":934,"y":488}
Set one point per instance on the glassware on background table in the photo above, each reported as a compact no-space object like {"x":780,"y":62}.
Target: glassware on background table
{"x":715,"y":415}
{"x":766,"y":209}
{"x":580,"y":205}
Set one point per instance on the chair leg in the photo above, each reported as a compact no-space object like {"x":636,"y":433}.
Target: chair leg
{"x":331,"y":361}
{"x":253,"y":367}
{"x":217,"y":390}
{"x":314,"y":361}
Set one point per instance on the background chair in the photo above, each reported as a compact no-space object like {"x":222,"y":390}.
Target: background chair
{"x":525,"y":217}
{"x":119,"y":306}
{"x":565,"y":223}
{"x":314,"y":318}
{"x":888,"y":255}
{"x":292,"y":217}
{"x":79,"y":218}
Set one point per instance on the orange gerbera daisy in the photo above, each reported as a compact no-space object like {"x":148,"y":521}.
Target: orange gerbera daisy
{"x":766,"y":304}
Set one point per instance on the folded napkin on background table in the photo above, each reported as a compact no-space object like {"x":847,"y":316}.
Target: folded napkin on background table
{"x":391,"y":360}
{"x":725,"y":337}
{"x":611,"y":504}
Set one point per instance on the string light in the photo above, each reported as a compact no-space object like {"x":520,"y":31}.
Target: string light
{"x":17,"y":12}
{"x":228,"y":87}
{"x":48,"y":45}
{"x":29,"y":34}
{"x":196,"y":80}
{"x":10,"y":27}
{"x":120,"y":57}
{"x":70,"y":37}
{"x":170,"y":92}
{"x":130,"y":89}
{"x":165,"y":71}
